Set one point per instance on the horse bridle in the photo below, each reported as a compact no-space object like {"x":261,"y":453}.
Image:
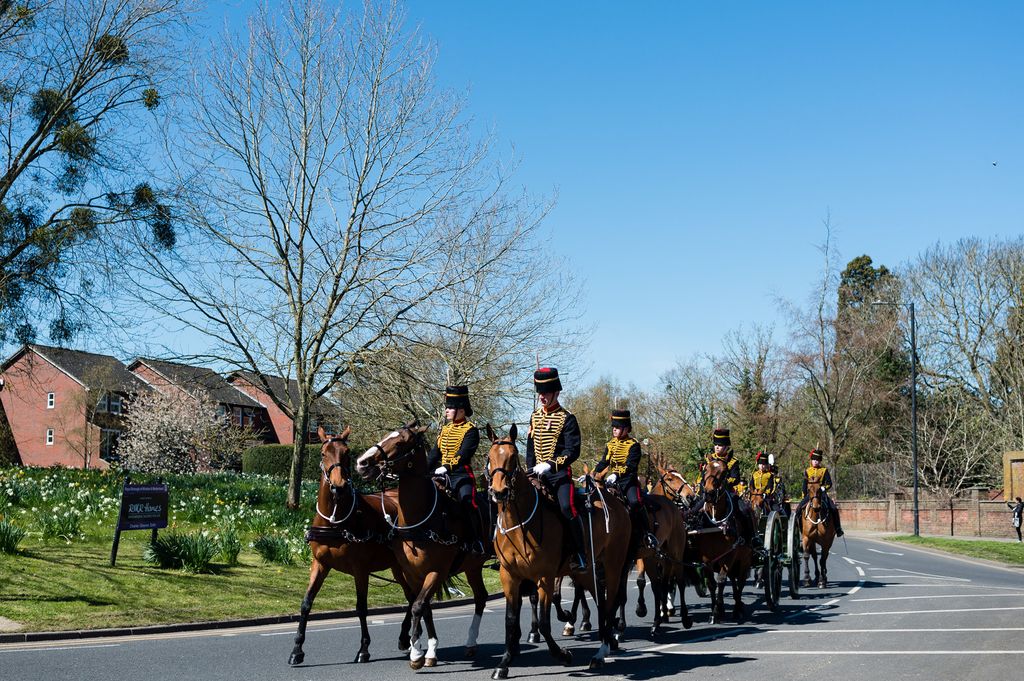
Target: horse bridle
{"x":489,"y":474}
{"x":334,"y":489}
{"x":676,"y":496}
{"x":387,"y":465}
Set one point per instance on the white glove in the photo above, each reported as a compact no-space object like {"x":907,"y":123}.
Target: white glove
{"x":582,"y":479}
{"x":610,"y":480}
{"x":541,"y":468}
{"x":441,"y":470}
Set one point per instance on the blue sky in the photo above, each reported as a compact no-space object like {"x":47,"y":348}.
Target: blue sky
{"x":695,"y":148}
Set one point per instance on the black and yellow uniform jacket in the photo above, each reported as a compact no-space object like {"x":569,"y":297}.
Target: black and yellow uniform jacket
{"x":764,"y":483}
{"x":621,"y":457}
{"x":456,"y":444}
{"x":554,"y":438}
{"x":819,"y":474}
{"x":733,"y":478}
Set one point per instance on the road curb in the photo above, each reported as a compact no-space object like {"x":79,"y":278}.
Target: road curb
{"x":31,"y":636}
{"x":1009,"y":567}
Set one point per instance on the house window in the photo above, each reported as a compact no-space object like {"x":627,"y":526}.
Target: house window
{"x":108,"y":444}
{"x":243,"y":416}
{"x":49,"y":436}
{"x":110,"y":403}
{"x":50,"y":399}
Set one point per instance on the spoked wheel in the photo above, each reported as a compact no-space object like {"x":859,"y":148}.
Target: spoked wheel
{"x":792,"y":559}
{"x":771,"y":571}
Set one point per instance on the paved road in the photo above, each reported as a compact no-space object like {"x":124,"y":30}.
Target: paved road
{"x":892,"y":612}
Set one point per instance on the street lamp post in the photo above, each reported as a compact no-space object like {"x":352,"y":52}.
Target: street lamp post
{"x":913,"y":407}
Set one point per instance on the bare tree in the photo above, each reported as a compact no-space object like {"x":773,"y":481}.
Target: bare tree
{"x":335,"y":194}
{"x":836,"y":353}
{"x":78,"y":79}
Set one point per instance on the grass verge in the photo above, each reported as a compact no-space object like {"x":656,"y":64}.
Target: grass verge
{"x":1006,"y":552}
{"x":60,"y":587}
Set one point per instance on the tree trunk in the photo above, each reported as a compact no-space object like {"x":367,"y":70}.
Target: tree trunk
{"x":300,"y":426}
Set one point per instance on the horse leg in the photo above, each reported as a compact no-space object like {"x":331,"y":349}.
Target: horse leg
{"x":808,"y":549}
{"x":736,"y":577}
{"x":681,"y":587}
{"x":362,"y":583}
{"x":545,"y":587}
{"x":620,"y":620}
{"x":513,"y":604}
{"x":718,"y":597}
{"x":658,"y":595}
{"x":410,"y":596}
{"x":417,"y":656}
{"x":476,"y":582}
{"x":605,"y":610}
{"x":581,"y":596}
{"x":823,"y":567}
{"x":641,"y":583}
{"x":317,"y":574}
{"x":534,"y":635}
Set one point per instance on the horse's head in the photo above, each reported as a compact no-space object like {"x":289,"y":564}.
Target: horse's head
{"x":503,"y":463}
{"x":675,"y":485}
{"x":401,"y":452}
{"x":334,"y":459}
{"x":714,"y":476}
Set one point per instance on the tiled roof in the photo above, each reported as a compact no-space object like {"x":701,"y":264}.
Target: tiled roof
{"x":286,"y":390}
{"x":95,"y":371}
{"x":199,"y":378}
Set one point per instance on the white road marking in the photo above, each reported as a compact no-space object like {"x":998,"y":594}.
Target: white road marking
{"x":48,"y":649}
{"x":931,"y":597}
{"x":945,"y":579}
{"x":923,"y":612}
{"x":888,"y":553}
{"x":805,"y":630}
{"x":830,"y":653}
{"x":851,"y":561}
{"x":925,"y":575}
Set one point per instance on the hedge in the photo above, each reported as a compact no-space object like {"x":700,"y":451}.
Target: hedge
{"x":276,"y":460}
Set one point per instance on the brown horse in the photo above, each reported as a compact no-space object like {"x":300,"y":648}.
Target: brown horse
{"x":530,"y":545}
{"x":428,"y":533}
{"x":666,"y":565}
{"x":718,"y":543}
{"x":348,"y":534}
{"x":818,"y":530}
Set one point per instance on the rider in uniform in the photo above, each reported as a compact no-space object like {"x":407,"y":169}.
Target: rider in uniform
{"x":764,"y":482}
{"x":452,"y":458}
{"x":819,"y":474}
{"x":722,"y":451}
{"x":618,"y":468}
{"x":552,"y":444}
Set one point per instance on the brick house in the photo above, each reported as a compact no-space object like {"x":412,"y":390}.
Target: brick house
{"x":234,"y":404}
{"x":65,"y":407}
{"x":326,"y":413}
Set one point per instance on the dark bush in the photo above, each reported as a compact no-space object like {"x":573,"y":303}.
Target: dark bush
{"x":276,"y":460}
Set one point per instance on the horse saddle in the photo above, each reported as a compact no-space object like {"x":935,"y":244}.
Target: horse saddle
{"x":548,"y":496}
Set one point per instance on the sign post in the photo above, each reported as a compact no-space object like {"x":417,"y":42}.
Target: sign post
{"x":143,"y":507}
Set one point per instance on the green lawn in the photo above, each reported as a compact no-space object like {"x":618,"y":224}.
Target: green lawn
{"x":66,"y":582}
{"x":1006,"y":552}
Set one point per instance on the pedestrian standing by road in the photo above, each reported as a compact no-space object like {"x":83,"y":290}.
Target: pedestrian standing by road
{"x":1018,"y":511}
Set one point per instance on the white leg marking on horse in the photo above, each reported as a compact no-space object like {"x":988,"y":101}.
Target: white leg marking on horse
{"x":432,"y":648}
{"x":415,"y":652}
{"x":474,"y":631}
{"x":720,"y":577}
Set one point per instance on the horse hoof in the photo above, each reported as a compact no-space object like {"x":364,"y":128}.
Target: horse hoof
{"x":499,"y":674}
{"x":687,"y":623}
{"x":568,"y":630}
{"x":641,"y":611}
{"x":416,"y":665}
{"x":296,"y":658}
{"x":363,"y":657}
{"x":671,"y":612}
{"x":614,"y":643}
{"x":652,"y":635}
{"x":567,"y":657}
{"x":430,"y":662}
{"x":596,"y":664}
{"x":533,"y":637}
{"x":585,"y":627}
{"x":470,"y":652}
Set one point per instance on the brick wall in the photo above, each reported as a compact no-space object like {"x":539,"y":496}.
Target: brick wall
{"x":974,"y":516}
{"x":27,"y":383}
{"x":280,"y":424}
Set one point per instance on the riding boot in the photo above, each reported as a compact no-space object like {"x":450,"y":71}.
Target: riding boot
{"x":578,"y":559}
{"x":835,"y":518}
{"x":476,"y":533}
{"x":643,"y":520}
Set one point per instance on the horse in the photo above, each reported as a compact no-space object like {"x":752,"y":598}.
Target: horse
{"x":428,"y":530}
{"x":719,"y":545}
{"x":530,"y":546}
{"x":671,"y":484}
{"x":667,"y":564}
{"x":348,"y":534}
{"x":818,"y":530}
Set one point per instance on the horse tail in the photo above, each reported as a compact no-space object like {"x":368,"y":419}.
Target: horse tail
{"x":451,"y":587}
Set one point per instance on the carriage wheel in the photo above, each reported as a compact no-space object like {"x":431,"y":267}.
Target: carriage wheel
{"x":793,"y":550}
{"x":772,"y":569}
